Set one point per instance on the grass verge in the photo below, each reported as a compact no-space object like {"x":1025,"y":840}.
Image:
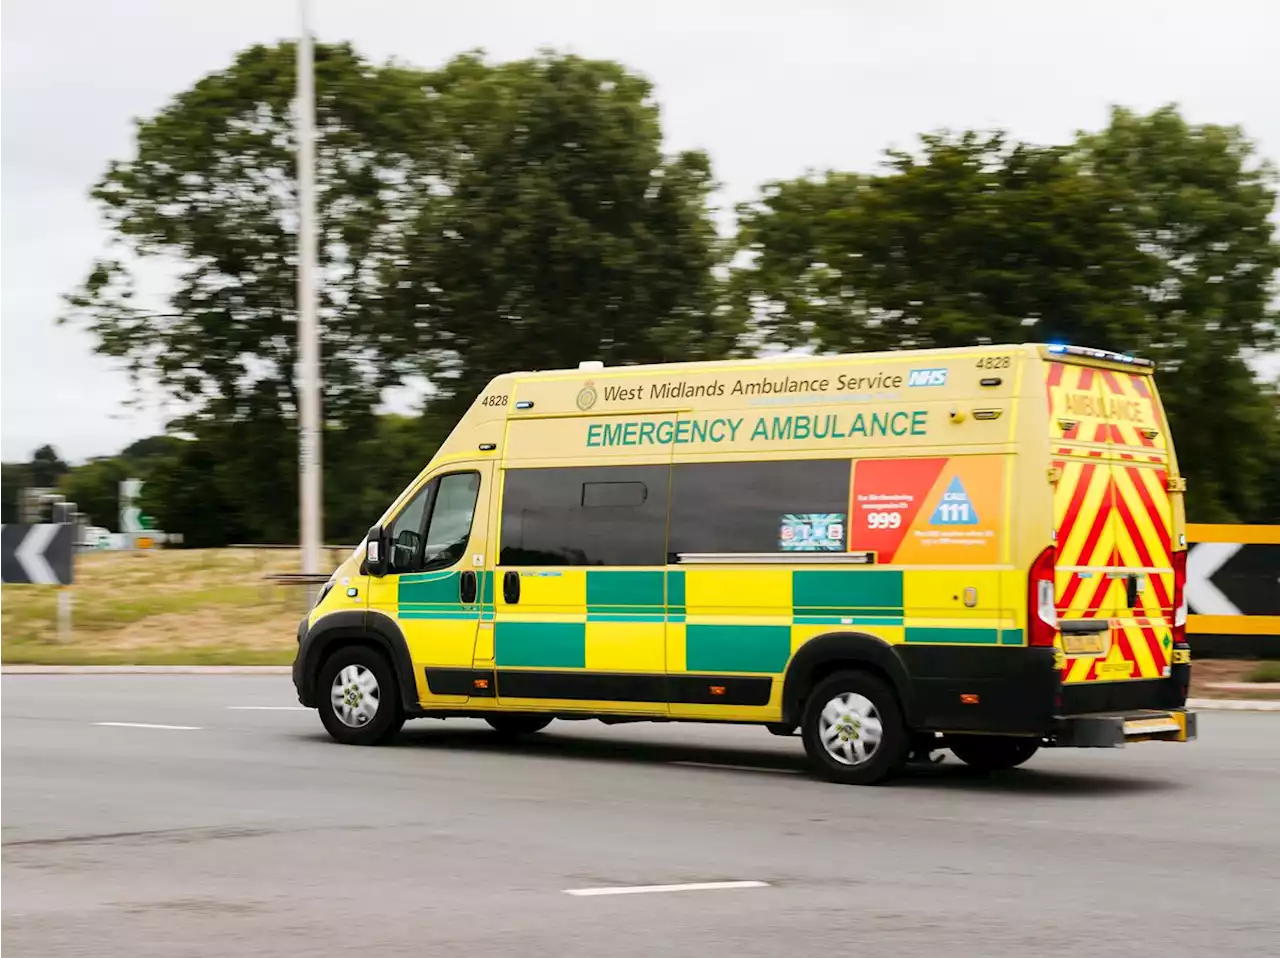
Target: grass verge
{"x":177,"y":607}
{"x":1263,"y":672}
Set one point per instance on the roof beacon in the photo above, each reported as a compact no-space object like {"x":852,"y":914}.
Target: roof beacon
{"x":1109,"y":356}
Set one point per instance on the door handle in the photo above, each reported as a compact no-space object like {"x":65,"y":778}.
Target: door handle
{"x":467,"y":590}
{"x":511,"y":587}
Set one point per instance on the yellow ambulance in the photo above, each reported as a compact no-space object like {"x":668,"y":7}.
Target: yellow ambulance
{"x":978,"y":549}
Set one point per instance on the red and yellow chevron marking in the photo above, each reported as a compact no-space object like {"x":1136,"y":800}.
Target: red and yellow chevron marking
{"x":1111,"y":513}
{"x":1144,"y":524}
{"x":1083,"y":503}
{"x":1088,"y":405}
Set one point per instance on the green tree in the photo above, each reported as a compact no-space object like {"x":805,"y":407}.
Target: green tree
{"x":95,"y":489}
{"x":46,"y":468}
{"x":187,"y":495}
{"x":973,"y":240}
{"x":95,"y":486}
{"x":1198,"y":201}
{"x":1226,"y":428}
{"x":474,"y":219}
{"x":212,"y":185}
{"x":1150,"y":237}
{"x":13,"y":479}
{"x":44,"y":471}
{"x":559,"y":231}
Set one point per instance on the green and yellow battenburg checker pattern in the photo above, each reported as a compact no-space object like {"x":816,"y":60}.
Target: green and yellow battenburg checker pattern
{"x":726,"y":620}
{"x":701,"y":621}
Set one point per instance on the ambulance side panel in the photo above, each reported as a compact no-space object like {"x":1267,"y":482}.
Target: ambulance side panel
{"x":912,"y":459}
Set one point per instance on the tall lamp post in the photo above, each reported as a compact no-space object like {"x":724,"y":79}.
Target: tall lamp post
{"x":309,"y":429}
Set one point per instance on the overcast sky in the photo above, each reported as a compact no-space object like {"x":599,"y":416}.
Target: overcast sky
{"x":769,"y":88}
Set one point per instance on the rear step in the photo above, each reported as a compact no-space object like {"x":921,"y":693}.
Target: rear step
{"x":1117,"y":729}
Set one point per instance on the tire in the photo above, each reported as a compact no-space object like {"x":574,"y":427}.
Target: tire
{"x":992,"y":753}
{"x":513,"y":726}
{"x":854,"y":759}
{"x":349,"y":679}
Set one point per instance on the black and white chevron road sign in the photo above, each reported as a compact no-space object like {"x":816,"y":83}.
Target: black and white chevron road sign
{"x":37,"y":555}
{"x":1232,"y":578}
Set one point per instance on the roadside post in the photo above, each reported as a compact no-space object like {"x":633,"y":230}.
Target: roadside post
{"x":42,"y":554}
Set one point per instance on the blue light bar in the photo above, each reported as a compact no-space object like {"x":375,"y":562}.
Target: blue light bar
{"x":1108,"y":356}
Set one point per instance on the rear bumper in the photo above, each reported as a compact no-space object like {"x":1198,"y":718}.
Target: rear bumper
{"x":1117,"y":729}
{"x":1019,"y":691}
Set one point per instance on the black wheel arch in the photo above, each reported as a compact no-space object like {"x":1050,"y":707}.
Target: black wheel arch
{"x":824,"y":654}
{"x":353,"y":627}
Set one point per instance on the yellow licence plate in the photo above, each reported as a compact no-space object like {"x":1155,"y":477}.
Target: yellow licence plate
{"x":1087,"y":644}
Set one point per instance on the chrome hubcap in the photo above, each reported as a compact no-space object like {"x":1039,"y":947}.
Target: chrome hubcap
{"x":850,"y":728}
{"x":354,"y":695}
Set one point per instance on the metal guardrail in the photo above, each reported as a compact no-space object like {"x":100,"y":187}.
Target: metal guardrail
{"x":297,"y":578}
{"x":294,"y":548}
{"x":311,"y":580}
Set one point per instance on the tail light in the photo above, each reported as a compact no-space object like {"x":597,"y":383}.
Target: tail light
{"x":1179,"y":598}
{"x":1042,"y":614}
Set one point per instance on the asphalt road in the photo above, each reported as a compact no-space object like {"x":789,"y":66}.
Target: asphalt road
{"x":249,"y":833}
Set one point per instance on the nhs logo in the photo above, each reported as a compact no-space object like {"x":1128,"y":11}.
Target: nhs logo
{"x":927,"y":377}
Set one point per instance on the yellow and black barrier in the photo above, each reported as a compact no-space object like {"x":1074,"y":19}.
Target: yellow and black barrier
{"x":1233,"y":590}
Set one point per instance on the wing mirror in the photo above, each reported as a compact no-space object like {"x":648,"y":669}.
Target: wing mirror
{"x":375,"y":553}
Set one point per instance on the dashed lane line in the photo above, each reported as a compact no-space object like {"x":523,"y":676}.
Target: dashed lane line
{"x":659,"y":889}
{"x":726,"y":767}
{"x":268,"y":708}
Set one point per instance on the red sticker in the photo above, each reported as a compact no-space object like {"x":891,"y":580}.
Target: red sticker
{"x":887,"y":495}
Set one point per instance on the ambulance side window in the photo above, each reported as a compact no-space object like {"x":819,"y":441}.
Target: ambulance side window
{"x":741,"y":507}
{"x":449,"y":527}
{"x":406,"y":532}
{"x":432,"y":530}
{"x":595,"y":515}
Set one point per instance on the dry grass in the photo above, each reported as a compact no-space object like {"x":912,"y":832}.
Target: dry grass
{"x":209,"y":606}
{"x":1206,"y":672}
{"x":1263,"y":672}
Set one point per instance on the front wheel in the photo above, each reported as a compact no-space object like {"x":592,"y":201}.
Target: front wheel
{"x":853,"y":729}
{"x":360,"y":702}
{"x":513,"y":726}
{"x":992,"y":753}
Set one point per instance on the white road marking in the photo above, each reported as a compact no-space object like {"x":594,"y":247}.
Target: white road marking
{"x":740,"y":768}
{"x":1235,"y":705}
{"x":176,"y":728}
{"x":654,"y":889}
{"x":1203,"y":560}
{"x":267,"y":708}
{"x":31,"y":554}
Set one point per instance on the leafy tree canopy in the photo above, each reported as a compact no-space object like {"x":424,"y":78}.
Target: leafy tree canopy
{"x":1152,"y":236}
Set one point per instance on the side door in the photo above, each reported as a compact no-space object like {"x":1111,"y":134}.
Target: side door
{"x":579,"y":592}
{"x":1114,"y":518}
{"x":1083,"y":503}
{"x":744,"y":590}
{"x":436,"y":587}
{"x":1142,"y":513}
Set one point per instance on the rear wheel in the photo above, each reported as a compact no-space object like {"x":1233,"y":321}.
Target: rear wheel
{"x":360,"y":702}
{"x":992,"y":753}
{"x":853,"y":729}
{"x":513,"y":726}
